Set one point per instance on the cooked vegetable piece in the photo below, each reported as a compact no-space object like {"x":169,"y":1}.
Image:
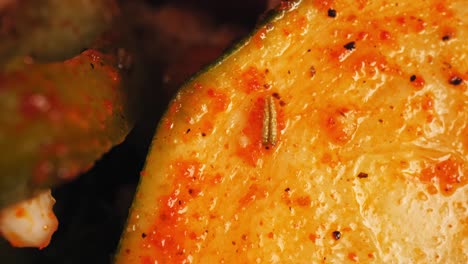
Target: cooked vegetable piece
{"x":57,"y":119}
{"x":29,"y":223}
{"x":369,"y":161}
{"x":52,"y":30}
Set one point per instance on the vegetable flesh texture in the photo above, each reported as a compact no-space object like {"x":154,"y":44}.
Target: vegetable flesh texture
{"x":30,"y":223}
{"x":372,"y":129}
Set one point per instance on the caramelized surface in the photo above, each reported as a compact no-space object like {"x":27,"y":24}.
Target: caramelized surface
{"x":369,"y":163}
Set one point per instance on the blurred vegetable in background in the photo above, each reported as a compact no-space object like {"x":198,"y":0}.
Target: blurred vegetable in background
{"x":66,"y":91}
{"x":53,"y":29}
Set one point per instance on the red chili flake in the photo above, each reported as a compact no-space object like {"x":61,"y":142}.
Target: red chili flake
{"x":254,"y":193}
{"x":353,"y":257}
{"x":313,"y":237}
{"x":304,"y":201}
{"x":20,"y":212}
{"x":417,"y":81}
{"x":350,"y":46}
{"x":385,"y":35}
{"x":331,"y":12}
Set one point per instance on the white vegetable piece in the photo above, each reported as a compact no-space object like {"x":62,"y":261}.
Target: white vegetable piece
{"x":30,"y":223}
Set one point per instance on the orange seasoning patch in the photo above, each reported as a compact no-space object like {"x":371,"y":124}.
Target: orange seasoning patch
{"x":251,"y":143}
{"x":448,"y":174}
{"x":255,"y":192}
{"x":339,"y":125}
{"x":166,"y":239}
{"x":252,"y":80}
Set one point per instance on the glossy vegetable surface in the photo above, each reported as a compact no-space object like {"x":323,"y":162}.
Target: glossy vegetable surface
{"x":336,"y":133}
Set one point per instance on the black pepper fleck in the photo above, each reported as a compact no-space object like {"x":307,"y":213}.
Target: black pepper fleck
{"x":412,"y":78}
{"x":350,"y":46}
{"x":331,"y":12}
{"x":92,"y":66}
{"x":143,"y":235}
{"x":362,"y":175}
{"x":446,"y":38}
{"x":203,"y":134}
{"x":308,"y":50}
{"x":188,"y":131}
{"x":287,"y":189}
{"x":455,"y":80}
{"x":276,"y":95}
{"x":336,"y":235}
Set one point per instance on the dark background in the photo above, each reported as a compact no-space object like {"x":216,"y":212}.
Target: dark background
{"x":92,"y":209}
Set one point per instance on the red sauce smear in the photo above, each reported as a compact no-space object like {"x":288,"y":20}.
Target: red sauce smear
{"x":353,"y":257}
{"x":449,"y":174}
{"x":339,"y":125}
{"x":254,"y":193}
{"x":166,"y":239}
{"x":410,"y":23}
{"x":219,"y":101}
{"x":20,"y":212}
{"x":259,"y":37}
{"x":174,"y":108}
{"x":323,"y":4}
{"x":417,"y":82}
{"x":252,"y":80}
{"x":253,"y":131}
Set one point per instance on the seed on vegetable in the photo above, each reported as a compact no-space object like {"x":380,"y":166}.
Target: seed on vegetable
{"x":269,"y":125}
{"x":362,"y":175}
{"x":331,"y":12}
{"x":350,"y":45}
{"x":336,"y":235}
{"x":455,"y":80}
